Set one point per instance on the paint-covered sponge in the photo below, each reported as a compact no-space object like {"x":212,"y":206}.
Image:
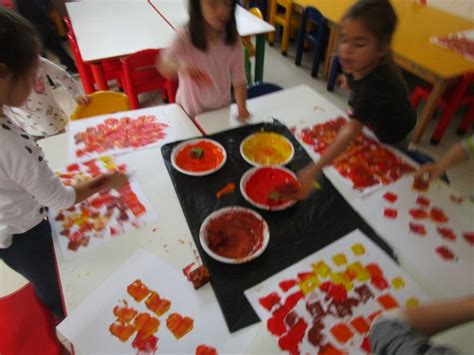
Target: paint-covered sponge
{"x":199,"y":277}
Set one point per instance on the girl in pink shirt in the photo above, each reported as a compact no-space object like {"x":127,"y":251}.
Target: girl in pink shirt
{"x":207,"y":58}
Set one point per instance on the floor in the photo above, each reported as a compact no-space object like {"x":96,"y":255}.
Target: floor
{"x":282,"y":71}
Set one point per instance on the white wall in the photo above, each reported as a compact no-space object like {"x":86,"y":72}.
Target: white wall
{"x":464,"y":8}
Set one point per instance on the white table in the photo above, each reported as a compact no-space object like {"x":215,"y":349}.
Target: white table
{"x":111,"y":29}
{"x":176,"y":13}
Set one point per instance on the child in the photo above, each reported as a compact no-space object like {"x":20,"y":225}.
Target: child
{"x":407,"y":331}
{"x":207,"y":57}
{"x":27,"y":185}
{"x":379,"y":98}
{"x":41,"y":116}
{"x":457,"y":154}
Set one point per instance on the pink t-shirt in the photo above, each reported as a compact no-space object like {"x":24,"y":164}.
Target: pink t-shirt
{"x":223,"y":63}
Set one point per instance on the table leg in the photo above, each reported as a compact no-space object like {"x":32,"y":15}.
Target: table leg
{"x":430,"y":107}
{"x":99,"y":76}
{"x":259,"y":57}
{"x":330,"y":50}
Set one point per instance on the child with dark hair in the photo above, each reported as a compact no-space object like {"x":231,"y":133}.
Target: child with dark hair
{"x":27,"y":185}
{"x":379,"y":97}
{"x":207,"y":57}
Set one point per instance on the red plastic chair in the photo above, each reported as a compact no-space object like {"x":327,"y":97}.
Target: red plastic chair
{"x":9,"y":4}
{"x":460,"y":95}
{"x":112,"y":67}
{"x":26,"y":325}
{"x":140,"y":75}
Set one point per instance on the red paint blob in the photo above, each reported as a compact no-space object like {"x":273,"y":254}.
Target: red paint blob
{"x":148,"y":344}
{"x":446,"y":233}
{"x":269,"y":301}
{"x":438,"y":215}
{"x":390,"y":197}
{"x":285,"y":285}
{"x":418,"y":213}
{"x":205,"y":350}
{"x":445,"y":253}
{"x":211,"y":158}
{"x":293,"y":338}
{"x":469,"y":237}
{"x":423,"y":201}
{"x":417,"y":229}
{"x":390,"y":213}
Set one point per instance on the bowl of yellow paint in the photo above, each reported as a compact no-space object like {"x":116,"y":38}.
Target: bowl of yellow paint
{"x":267,"y":148}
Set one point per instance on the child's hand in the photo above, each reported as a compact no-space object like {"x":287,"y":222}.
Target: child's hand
{"x":243,"y":114}
{"x":83,"y":100}
{"x":428,"y":173}
{"x":116,"y":180}
{"x":306,"y":186}
{"x":341,"y":80}
{"x":199,"y":76}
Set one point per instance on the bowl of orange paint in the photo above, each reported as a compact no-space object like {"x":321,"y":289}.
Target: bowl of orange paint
{"x":262,"y":187}
{"x":267,"y":148}
{"x":234,"y":235}
{"x":198,"y":157}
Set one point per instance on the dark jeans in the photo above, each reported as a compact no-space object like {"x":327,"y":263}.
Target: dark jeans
{"x":31,"y":255}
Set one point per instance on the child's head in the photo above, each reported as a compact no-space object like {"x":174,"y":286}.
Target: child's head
{"x":366,"y":34}
{"x":216,"y":15}
{"x":20,"y":47}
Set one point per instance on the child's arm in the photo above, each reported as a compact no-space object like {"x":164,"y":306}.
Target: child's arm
{"x":307,"y":175}
{"x":457,"y":154}
{"x":167,"y":67}
{"x":107,"y":181}
{"x":240,"y":93}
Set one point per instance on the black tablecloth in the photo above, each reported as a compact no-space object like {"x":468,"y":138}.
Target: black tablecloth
{"x":295,"y":233}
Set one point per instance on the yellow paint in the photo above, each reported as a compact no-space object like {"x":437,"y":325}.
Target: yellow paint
{"x":322,"y":269}
{"x":339,"y":259}
{"x":309,"y":284}
{"x":267,"y":148}
{"x":398,"y":283}
{"x":412,"y":302}
{"x":358,"y":249}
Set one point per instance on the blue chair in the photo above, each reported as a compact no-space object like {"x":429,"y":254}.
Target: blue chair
{"x":317,"y":37}
{"x":259,"y":89}
{"x":334,"y":73}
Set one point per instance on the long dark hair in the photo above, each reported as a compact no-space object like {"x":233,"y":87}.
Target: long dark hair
{"x":197,"y":28}
{"x":19,"y":43}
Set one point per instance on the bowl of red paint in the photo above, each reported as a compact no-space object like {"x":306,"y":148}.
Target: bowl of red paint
{"x":234,"y":235}
{"x":262,"y":187}
{"x":198,"y":157}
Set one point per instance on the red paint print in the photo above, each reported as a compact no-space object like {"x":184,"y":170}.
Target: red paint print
{"x":390,"y":197}
{"x":418,"y":213}
{"x":438,"y":215}
{"x":121,"y":330}
{"x":138,"y":290}
{"x":342,"y":333}
{"x":294,"y":337}
{"x":156,"y":304}
{"x":390,"y":213}
{"x":387,"y":301}
{"x":206,"y":350}
{"x":187,"y":269}
{"x":365,"y":345}
{"x":178,"y":325}
{"x":285,"y":285}
{"x":417,"y":229}
{"x":146,"y":344}
{"x":469,"y":237}
{"x":423,"y":201}
{"x":374,"y":270}
{"x":374,"y":316}
{"x":123,"y":312}
{"x":360,"y":325}
{"x":329,"y":349}
{"x":276,"y":324}
{"x":269,"y":301}
{"x":446,"y":233}
{"x":380,"y":283}
{"x":445,"y":253}
{"x":304,"y":275}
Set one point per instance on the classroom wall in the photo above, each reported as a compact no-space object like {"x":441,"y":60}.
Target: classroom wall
{"x":464,"y":8}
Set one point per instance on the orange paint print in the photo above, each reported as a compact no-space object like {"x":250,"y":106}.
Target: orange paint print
{"x":205,"y":350}
{"x":123,"y":312}
{"x":157,"y":305}
{"x":199,"y":157}
{"x":179,"y":325}
{"x":147,"y":344}
{"x":146,"y":325}
{"x":121,"y":330}
{"x":138,"y":290}
{"x":342,"y":333}
{"x":387,"y":301}
{"x":360,"y":325}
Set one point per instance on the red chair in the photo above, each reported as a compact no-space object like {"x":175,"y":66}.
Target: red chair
{"x":112,"y":67}
{"x":9,"y":4}
{"x":460,"y":95}
{"x":140,"y":75}
{"x":26,"y":326}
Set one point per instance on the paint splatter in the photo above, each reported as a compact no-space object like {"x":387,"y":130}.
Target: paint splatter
{"x":423,"y":201}
{"x":387,"y":301}
{"x":437,"y":215}
{"x":446,"y":233}
{"x":457,"y":199}
{"x":469,"y":237}
{"x":445,"y":253}
{"x":417,"y":229}
{"x":418,"y":213}
{"x":227,"y":189}
{"x":390,"y":213}
{"x":390,"y":197}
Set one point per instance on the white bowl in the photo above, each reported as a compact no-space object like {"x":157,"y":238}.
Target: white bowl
{"x":180,"y":146}
{"x":256,"y":252}
{"x":249,"y":173}
{"x":251,"y":162}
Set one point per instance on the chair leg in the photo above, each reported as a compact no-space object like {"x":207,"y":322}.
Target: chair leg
{"x":467,"y":122}
{"x":271,"y":17}
{"x":300,"y":41}
{"x":335,"y":71}
{"x":416,"y":97}
{"x":316,"y":59}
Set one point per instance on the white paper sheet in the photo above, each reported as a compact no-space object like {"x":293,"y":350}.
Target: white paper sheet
{"x":344,"y":246}
{"x":466,"y":50}
{"x":87,"y":327}
{"x":449,"y":278}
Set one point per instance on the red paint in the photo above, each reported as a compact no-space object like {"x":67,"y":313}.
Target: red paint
{"x":390,"y":197}
{"x":418,"y":213}
{"x":304,"y":275}
{"x":291,"y":319}
{"x":206,"y":350}
{"x":73,"y":167}
{"x":123,"y":312}
{"x":235,"y":234}
{"x":374,"y":270}
{"x":211,"y":158}
{"x":438,"y":215}
{"x":187,"y":269}
{"x":227,"y":189}
{"x":420,"y":184}
{"x":316,"y":310}
{"x":374,"y":316}
{"x":387,"y":301}
{"x":446,"y":233}
{"x":293,"y":299}
{"x":285,"y":285}
{"x":266,"y":181}
{"x":365,"y":345}
{"x":314,"y":334}
{"x":379,"y":282}
{"x":276,"y":324}
{"x":390,"y":213}
{"x":469,"y":237}
{"x":417,"y":229}
{"x":329,"y":349}
{"x":269,"y":301}
{"x":360,"y":325}
{"x":423,"y":201}
{"x":148,"y":345}
{"x":445,"y":253}
{"x":293,"y":338}
{"x":342,"y":333}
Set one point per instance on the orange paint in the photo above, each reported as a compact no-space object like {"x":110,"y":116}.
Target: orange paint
{"x":227,"y":189}
{"x":205,"y":350}
{"x":267,"y":148}
{"x":157,"y":305}
{"x":342,"y":333}
{"x":178,"y":325}
{"x":387,"y":301}
{"x":146,"y":325}
{"x":123,"y":312}
{"x":212,"y":156}
{"x":360,"y":325}
{"x":121,"y":330}
{"x":138,"y":290}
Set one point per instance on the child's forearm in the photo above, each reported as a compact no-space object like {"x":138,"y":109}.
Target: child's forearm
{"x":167,"y":68}
{"x":240,"y":93}
{"x":431,"y":319}
{"x":455,"y":155}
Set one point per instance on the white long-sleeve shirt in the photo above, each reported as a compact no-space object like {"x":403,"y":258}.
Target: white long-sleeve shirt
{"x":41,"y":115}
{"x":27,"y":184}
